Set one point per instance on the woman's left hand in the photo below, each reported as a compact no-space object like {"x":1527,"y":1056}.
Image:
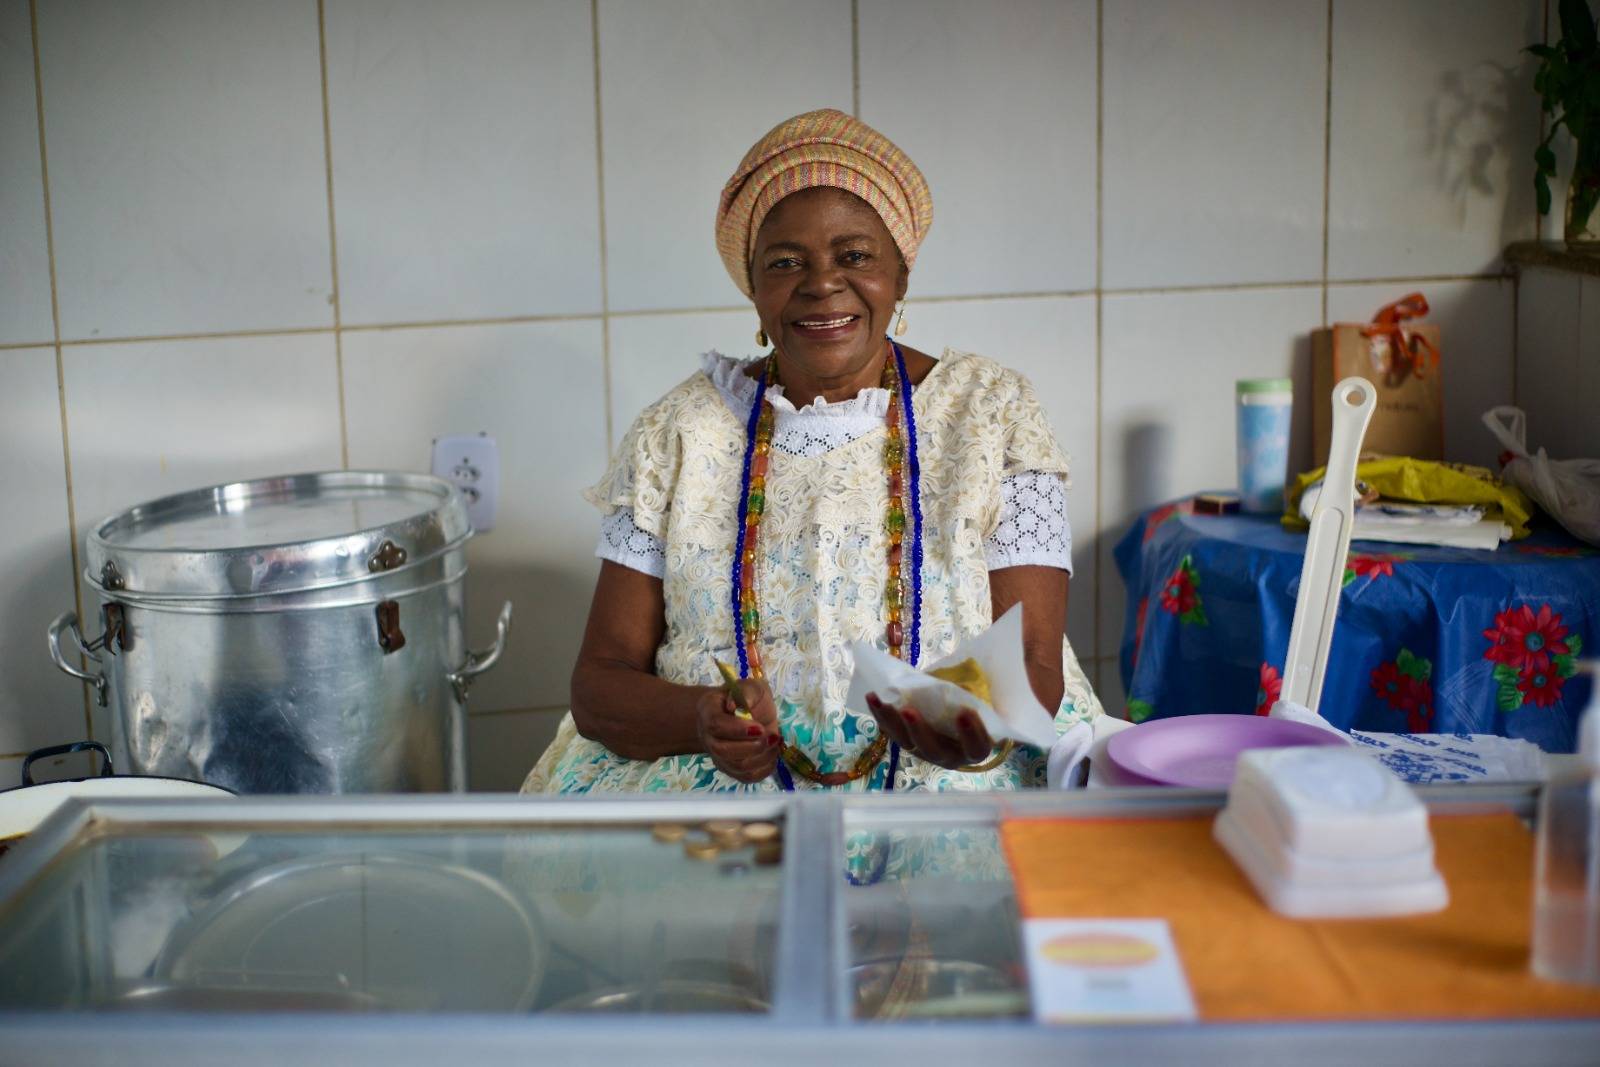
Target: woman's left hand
{"x":908,"y":729}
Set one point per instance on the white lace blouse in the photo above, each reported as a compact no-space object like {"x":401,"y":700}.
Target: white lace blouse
{"x":1033,"y":528}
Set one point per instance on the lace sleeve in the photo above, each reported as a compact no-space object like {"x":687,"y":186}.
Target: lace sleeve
{"x":1030,"y":443}
{"x":1033,"y":528}
{"x":644,"y":471}
{"x":622,"y":541}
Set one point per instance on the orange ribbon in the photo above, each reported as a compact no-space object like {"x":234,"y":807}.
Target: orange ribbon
{"x":1409,"y":353}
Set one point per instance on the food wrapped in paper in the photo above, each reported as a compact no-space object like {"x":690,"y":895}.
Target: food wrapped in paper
{"x":1011,"y":711}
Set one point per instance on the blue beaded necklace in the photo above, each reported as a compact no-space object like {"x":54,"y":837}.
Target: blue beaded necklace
{"x":914,"y":492}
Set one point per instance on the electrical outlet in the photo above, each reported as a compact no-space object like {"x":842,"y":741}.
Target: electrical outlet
{"x":471,"y":462}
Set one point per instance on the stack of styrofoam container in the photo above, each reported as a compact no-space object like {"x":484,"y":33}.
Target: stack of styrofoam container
{"x":1329,"y":833}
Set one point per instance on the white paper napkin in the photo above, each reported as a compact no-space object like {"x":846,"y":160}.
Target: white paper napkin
{"x":1016,"y":714}
{"x":1288,"y":709}
{"x":1064,"y":767}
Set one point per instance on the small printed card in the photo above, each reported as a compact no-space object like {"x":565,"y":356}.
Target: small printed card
{"x":1105,"y":971}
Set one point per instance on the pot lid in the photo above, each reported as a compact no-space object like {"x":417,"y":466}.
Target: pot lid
{"x":275,"y":535}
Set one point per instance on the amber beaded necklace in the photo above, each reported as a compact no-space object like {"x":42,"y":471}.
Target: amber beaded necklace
{"x":899,"y":453}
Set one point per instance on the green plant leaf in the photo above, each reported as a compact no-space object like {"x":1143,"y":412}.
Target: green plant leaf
{"x":1413,"y":666}
{"x":1574,"y":645}
{"x":1505,"y":674}
{"x":1541,"y":191}
{"x":1546,"y":159}
{"x":1140,"y":710}
{"x":1509,"y":698}
{"x":1543,"y":51}
{"x":1577,"y":27}
{"x":1566,"y":666}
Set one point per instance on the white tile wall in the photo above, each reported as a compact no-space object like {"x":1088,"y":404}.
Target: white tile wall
{"x":38,"y":705}
{"x":465,"y":149}
{"x":1167,"y":400}
{"x":686,"y":88}
{"x":1213,"y":141}
{"x":503,"y":747}
{"x":1433,"y":127}
{"x":1586,"y":442}
{"x":536,"y":388}
{"x":1549,"y":317}
{"x":1108,"y":686}
{"x":652,"y":353}
{"x":1051,"y":340}
{"x":187,"y":175}
{"x":152,"y":418}
{"x":1476,"y":348}
{"x":995,"y":150}
{"x":24,"y":258}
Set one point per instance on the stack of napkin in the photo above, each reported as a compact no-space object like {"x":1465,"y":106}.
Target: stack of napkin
{"x":1329,"y":833}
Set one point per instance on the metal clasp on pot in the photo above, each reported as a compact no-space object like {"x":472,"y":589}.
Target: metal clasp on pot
{"x":387,"y":558}
{"x":390,"y":637}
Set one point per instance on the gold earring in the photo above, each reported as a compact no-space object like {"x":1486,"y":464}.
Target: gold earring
{"x":900,"y":320}
{"x":761,"y":337}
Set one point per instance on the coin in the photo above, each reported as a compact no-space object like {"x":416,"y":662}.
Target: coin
{"x":759,"y":833}
{"x":697,"y":848}
{"x":668,"y":832}
{"x":769,"y":853}
{"x":725,"y":832}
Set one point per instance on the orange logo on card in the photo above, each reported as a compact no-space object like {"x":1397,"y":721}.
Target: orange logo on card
{"x":1099,"y":950}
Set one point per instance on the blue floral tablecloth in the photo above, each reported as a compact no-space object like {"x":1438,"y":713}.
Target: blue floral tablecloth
{"x":1427,"y":640}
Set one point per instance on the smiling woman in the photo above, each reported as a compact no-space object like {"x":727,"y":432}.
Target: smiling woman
{"x":841,"y":487}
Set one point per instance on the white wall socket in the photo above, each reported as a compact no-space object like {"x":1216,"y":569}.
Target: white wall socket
{"x":471,"y":462}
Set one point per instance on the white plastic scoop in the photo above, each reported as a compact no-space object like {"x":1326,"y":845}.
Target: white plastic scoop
{"x":1322,"y":574}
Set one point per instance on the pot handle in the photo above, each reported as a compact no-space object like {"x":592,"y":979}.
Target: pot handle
{"x":62,"y":750}
{"x":478,"y":662}
{"x":68,"y":620}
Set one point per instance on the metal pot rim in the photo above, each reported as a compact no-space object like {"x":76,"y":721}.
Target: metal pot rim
{"x":425,"y":518}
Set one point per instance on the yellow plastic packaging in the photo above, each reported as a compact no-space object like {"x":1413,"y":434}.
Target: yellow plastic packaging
{"x":1421,"y":481}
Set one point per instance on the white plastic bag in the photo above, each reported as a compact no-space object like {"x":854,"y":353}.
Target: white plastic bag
{"x":1567,"y":489}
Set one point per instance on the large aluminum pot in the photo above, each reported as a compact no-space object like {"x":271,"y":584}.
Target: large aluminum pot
{"x":301,"y":634}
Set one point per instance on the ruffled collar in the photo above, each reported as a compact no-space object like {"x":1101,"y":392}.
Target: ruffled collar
{"x":738,"y":390}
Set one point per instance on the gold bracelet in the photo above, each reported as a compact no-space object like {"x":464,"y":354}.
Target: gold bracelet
{"x":992,"y":762}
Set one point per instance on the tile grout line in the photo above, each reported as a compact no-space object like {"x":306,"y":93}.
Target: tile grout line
{"x":333,"y":235}
{"x":1099,"y":315}
{"x":855,"y":58}
{"x":1327,"y":159}
{"x":515,"y":320}
{"x":600,"y":207}
{"x":219,"y":335}
{"x":61,"y":369}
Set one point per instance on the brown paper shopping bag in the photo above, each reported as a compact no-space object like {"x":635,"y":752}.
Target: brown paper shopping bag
{"x":1401,"y":360}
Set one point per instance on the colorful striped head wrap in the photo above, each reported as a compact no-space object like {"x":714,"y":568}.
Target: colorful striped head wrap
{"x":821,"y":148}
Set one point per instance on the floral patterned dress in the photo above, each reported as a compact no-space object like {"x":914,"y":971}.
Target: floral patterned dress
{"x":820,"y":574}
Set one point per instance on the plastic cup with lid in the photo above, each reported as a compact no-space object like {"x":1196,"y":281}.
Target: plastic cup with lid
{"x":1263,"y":409}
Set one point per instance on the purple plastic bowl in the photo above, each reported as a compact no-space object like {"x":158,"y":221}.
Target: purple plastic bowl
{"x":1199,"y":751}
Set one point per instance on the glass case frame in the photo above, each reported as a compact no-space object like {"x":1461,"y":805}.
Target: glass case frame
{"x":812,"y":1015}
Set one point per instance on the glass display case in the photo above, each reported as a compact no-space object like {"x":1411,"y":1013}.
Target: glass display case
{"x":401,"y":929}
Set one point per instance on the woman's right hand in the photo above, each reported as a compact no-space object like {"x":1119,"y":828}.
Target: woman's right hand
{"x":746,"y":749}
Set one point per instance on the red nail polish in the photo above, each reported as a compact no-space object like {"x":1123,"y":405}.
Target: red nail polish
{"x":756,"y":731}
{"x":909,"y":715}
{"x":772,"y":740}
